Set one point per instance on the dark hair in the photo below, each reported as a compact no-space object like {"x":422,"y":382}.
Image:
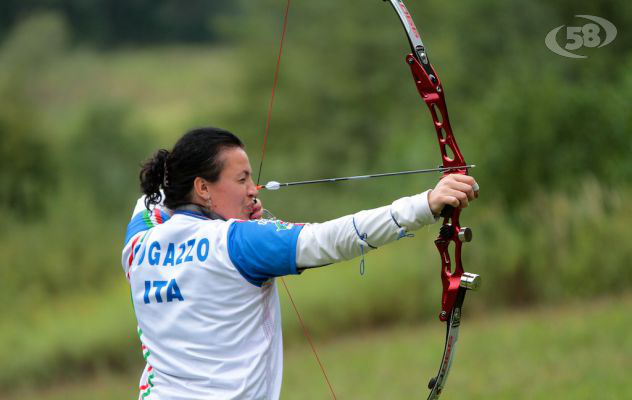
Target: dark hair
{"x":195,"y":154}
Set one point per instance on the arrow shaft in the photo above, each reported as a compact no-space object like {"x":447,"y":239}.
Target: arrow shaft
{"x":381,"y":175}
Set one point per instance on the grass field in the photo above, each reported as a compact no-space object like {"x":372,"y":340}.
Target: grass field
{"x":577,"y":351}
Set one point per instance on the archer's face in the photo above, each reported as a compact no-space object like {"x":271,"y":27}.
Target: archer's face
{"x":232,"y":196}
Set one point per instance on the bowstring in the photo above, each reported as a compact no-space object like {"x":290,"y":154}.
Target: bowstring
{"x":274,"y":85}
{"x":263,"y":153}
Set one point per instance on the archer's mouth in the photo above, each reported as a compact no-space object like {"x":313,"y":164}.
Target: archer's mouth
{"x":254,"y":208}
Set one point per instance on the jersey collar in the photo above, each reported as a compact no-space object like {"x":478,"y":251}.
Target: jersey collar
{"x":197,"y":211}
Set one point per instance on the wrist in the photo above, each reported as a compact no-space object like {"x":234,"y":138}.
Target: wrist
{"x":434,"y":207}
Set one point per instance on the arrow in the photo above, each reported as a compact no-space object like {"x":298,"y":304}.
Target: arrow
{"x":274,"y":185}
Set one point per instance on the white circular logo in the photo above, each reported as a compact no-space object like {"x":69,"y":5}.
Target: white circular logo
{"x":581,"y":36}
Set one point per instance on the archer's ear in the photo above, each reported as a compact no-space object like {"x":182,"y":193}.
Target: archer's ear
{"x":201,"y":189}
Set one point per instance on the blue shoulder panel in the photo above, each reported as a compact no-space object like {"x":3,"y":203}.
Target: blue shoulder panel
{"x":263,"y":249}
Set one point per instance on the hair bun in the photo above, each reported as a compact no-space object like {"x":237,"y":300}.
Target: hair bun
{"x":153,"y":176}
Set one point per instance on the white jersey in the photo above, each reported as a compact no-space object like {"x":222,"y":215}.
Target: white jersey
{"x":205,"y":299}
{"x":210,"y":325}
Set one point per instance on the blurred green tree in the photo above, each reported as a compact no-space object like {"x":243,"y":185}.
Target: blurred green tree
{"x":105,"y":154}
{"x":28,"y":171}
{"x":27,"y":168}
{"x":111,"y":23}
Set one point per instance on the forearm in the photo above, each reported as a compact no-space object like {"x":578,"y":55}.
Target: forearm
{"x":349,"y":236}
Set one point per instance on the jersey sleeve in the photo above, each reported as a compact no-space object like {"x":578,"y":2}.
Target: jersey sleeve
{"x":263,"y":249}
{"x":353,"y":235}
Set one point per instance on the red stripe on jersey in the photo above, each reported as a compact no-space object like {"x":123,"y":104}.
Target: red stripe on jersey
{"x":131,"y":254}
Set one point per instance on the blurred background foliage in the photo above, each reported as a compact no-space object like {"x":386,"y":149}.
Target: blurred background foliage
{"x":115,"y":23}
{"x":90,"y":89}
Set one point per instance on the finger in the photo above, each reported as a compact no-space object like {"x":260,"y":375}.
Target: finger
{"x":448,"y":200}
{"x":453,"y":201}
{"x":462,"y":178}
{"x":472,"y":189}
{"x":463,"y":187}
{"x":460,"y":196}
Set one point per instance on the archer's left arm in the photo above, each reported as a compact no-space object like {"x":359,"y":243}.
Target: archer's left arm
{"x":352,"y":235}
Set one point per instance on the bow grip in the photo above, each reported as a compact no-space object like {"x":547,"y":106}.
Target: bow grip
{"x":447,"y":211}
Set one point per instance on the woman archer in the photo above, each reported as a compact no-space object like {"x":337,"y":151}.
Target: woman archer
{"x":201,"y":265}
